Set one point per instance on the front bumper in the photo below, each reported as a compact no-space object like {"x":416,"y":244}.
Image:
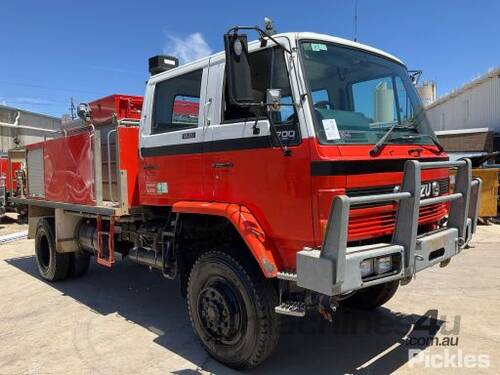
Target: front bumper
{"x":335,"y":269}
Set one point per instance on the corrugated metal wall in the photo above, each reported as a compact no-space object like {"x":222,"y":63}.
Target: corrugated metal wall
{"x":7,"y":135}
{"x":477,"y":106}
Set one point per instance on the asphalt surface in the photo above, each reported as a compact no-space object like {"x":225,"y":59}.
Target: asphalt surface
{"x":129,"y":320}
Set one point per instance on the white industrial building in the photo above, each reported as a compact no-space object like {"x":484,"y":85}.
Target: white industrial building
{"x":8,"y":135}
{"x":474,"y":105}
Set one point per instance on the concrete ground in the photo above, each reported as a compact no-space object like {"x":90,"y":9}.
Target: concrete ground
{"x":129,"y":320}
{"x":9,"y":225}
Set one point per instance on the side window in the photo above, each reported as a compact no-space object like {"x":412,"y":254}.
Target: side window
{"x":185,"y":110}
{"x":260,"y":65}
{"x":176,"y":103}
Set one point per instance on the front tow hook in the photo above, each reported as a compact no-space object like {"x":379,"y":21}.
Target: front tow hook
{"x":327,"y":306}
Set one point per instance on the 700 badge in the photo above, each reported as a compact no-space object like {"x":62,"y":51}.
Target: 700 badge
{"x":287,"y":135}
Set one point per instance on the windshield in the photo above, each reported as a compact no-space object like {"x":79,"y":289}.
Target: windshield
{"x":357,"y":96}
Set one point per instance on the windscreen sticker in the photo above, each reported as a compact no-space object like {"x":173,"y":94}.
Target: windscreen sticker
{"x":316,"y":47}
{"x":331,"y":130}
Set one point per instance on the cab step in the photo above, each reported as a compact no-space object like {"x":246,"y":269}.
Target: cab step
{"x":291,"y":308}
{"x":287,"y":275}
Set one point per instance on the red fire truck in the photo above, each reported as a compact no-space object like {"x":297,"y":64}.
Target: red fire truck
{"x":296,"y":172}
{"x":9,"y":176}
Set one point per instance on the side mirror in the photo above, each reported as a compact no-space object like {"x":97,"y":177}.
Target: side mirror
{"x":238,"y":74}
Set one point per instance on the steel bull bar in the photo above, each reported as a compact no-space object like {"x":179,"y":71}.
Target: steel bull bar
{"x":335,"y":268}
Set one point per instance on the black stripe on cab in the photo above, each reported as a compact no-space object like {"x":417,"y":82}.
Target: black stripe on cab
{"x":185,"y":148}
{"x":210,"y":146}
{"x":356,"y":167}
{"x":238,"y":144}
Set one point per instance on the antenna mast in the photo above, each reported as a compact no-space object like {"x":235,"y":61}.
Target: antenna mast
{"x":72,"y":108}
{"x":355,"y":20}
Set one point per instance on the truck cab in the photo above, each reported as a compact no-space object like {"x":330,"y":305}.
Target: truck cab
{"x":338,"y":98}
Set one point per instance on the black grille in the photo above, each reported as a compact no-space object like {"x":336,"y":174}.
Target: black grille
{"x":359,"y":192}
{"x":444,"y":186}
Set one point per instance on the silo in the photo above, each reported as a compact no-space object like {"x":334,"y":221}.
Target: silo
{"x":427,"y":92}
{"x":384,"y":103}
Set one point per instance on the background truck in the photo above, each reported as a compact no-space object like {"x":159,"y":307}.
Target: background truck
{"x":297,"y":172}
{"x":10,"y":175}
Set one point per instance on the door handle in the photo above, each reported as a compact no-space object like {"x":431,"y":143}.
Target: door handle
{"x":227,"y":164}
{"x":206,"y":111}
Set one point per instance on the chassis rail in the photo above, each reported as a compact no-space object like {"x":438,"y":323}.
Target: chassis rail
{"x":335,"y":269}
{"x":79,"y":208}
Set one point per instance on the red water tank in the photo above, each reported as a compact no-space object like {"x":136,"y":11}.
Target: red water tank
{"x":116,"y":106}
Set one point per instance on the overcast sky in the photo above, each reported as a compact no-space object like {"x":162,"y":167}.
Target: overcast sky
{"x":52,"y":50}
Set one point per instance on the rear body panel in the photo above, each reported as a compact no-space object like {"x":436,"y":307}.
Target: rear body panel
{"x":115,"y":107}
{"x":75,"y":167}
{"x":69,"y":169}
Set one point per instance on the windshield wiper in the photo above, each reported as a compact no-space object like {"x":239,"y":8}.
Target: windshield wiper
{"x":381,"y":142}
{"x":417,"y":136}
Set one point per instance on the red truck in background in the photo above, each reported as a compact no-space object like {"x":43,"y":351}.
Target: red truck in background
{"x":292,"y":173}
{"x":10,"y":174}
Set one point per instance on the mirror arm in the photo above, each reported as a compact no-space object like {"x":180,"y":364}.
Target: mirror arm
{"x":274,"y":132}
{"x":262,"y":34}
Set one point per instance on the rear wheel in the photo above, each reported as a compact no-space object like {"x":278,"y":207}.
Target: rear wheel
{"x":232,"y":310}
{"x":53,"y":266}
{"x":372,"y":297}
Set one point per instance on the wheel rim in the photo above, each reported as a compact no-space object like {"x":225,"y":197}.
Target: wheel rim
{"x":43,"y":253}
{"x":221,"y":312}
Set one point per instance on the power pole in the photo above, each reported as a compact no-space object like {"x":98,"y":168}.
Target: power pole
{"x":72,"y":108}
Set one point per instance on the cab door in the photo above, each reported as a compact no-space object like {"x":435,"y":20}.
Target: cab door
{"x":172,"y":136}
{"x":245,"y":166}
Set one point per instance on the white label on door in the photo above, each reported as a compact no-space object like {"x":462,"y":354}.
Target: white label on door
{"x":331,"y":130}
{"x":161,"y":188}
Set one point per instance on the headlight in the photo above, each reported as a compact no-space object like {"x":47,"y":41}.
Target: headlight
{"x":2,"y":181}
{"x":383,"y":264}
{"x":366,"y":267}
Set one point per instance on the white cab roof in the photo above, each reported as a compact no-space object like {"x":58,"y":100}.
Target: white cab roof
{"x":345,"y":42}
{"x":293,"y":37}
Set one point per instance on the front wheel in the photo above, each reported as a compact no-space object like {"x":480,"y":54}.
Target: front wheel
{"x":232,"y":310}
{"x":372,"y":297}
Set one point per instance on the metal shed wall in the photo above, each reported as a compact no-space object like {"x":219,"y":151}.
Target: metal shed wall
{"x":8,"y":114}
{"x":475,"y":105}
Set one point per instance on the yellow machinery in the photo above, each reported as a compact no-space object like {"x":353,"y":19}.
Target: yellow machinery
{"x":489,"y":191}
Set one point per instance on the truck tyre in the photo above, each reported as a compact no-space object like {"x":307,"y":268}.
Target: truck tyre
{"x":372,"y":297}
{"x":232,"y":310}
{"x":53,"y":266}
{"x":79,"y":263}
